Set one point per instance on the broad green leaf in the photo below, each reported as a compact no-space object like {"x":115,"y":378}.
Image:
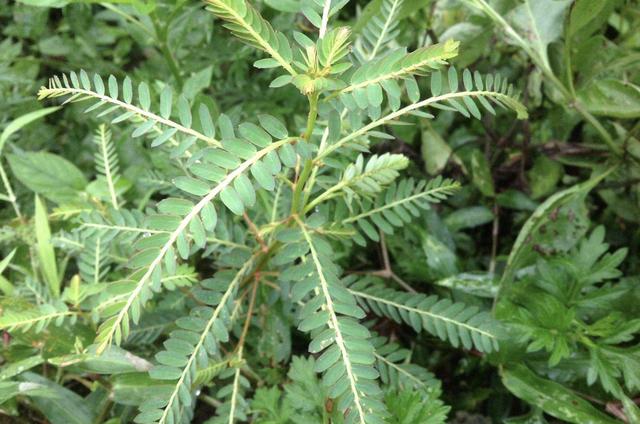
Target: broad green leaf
{"x":144,"y":97}
{"x":611,"y":97}
{"x":175,"y":206}
{"x":440,"y":258}
{"x":584,"y":12}
{"x":11,"y":389}
{"x":435,"y":151}
{"x":135,"y":388}
{"x":166,"y":102}
{"x":514,"y":199}
{"x":46,"y":254}
{"x":273,"y":126}
{"x":481,"y":174}
{"x":23,"y":121}
{"x":231,"y":200}
{"x":263,"y":176}
{"x":197,"y":83}
{"x":192,"y":186}
{"x":290,"y":6}
{"x":18,"y":367}
{"x":468,"y":217}
{"x":476,"y":284}
{"x":544,"y":176}
{"x":64,"y":407}
{"x":255,"y":134}
{"x":552,"y":397}
{"x":113,"y":360}
{"x":473,"y":41}
{"x":206,"y":122}
{"x":47,"y":174}
{"x":244,"y":188}
{"x":540,"y":22}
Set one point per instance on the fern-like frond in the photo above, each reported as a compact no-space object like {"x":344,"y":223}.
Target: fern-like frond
{"x":212,"y":370}
{"x":93,"y":262}
{"x":127,"y":226}
{"x":152,"y":326}
{"x":113,"y":297}
{"x":346,"y":355}
{"x":371,"y":80}
{"x":456,"y":323}
{"x":369,"y":179}
{"x":392,"y":362}
{"x":182,"y":217}
{"x":36,"y":318}
{"x":380,"y":31}
{"x":398,"y":205}
{"x":107,"y":164}
{"x":119,"y":98}
{"x":192,"y":344}
{"x":234,"y":406}
{"x":246,"y":23}
{"x":492,"y":89}
{"x":333,"y":47}
{"x":122,"y":225}
{"x":33,"y":291}
{"x":363,"y":180}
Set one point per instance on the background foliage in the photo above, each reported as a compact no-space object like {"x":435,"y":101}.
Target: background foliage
{"x":463,"y":247}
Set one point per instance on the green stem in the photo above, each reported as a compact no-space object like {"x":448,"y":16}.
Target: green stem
{"x":311,"y":118}
{"x":604,"y":134}
{"x":323,"y":143}
{"x":304,"y":175}
{"x":542,"y":63}
{"x":568,"y":66}
{"x":129,"y":18}
{"x":162,"y":36}
{"x":325,"y":196}
{"x":104,"y":412}
{"x":10,"y":194}
{"x":308,"y":164}
{"x":173,"y":65}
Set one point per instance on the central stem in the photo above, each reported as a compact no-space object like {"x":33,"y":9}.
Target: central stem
{"x":308,"y":164}
{"x":163,"y":39}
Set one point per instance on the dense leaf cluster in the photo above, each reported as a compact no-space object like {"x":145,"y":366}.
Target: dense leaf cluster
{"x":319,"y":211}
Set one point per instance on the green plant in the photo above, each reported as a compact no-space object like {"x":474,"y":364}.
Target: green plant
{"x":567,"y":316}
{"x":288,"y":199}
{"x":300,"y":211}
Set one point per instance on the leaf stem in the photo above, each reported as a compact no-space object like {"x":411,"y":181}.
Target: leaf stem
{"x":162,"y":37}
{"x":604,"y":134}
{"x":328,"y":194}
{"x":129,"y":18}
{"x":407,"y":109}
{"x":10,"y":194}
{"x":80,"y":94}
{"x":325,"y":18}
{"x":308,"y":164}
